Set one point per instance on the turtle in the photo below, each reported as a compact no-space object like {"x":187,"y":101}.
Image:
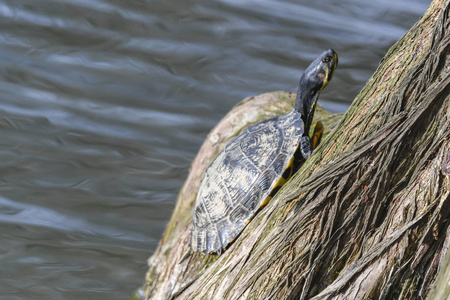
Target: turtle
{"x":253,"y":166}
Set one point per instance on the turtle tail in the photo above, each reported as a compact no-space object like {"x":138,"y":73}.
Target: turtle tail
{"x":186,"y":255}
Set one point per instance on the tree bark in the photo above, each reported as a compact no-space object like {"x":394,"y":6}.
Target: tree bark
{"x":366,"y":217}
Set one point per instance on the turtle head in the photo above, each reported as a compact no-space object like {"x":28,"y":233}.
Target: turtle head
{"x":312,"y":82}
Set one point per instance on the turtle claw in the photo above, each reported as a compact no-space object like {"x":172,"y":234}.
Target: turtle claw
{"x":305,"y":147}
{"x":308,"y":145}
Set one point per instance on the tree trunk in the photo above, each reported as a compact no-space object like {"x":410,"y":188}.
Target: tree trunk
{"x":367,"y":216}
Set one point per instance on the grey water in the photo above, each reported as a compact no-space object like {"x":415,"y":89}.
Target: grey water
{"x":104,"y":104}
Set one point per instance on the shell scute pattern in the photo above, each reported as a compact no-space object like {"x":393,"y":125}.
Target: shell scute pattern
{"x":278,"y":165}
{"x":201,"y":219}
{"x":251,"y":202}
{"x":198,"y":240}
{"x":241,"y":178}
{"x":225,"y":228}
{"x":259,"y":146}
{"x":212,"y":241}
{"x":292,"y":129}
{"x":216,"y":203}
{"x":264,"y":182}
{"x":238,"y":214}
{"x":239,"y":182}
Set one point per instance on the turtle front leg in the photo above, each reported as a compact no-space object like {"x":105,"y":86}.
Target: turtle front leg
{"x":317,"y":135}
{"x":305,"y":147}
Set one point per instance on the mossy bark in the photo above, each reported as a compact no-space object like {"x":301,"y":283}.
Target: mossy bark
{"x":367,"y":216}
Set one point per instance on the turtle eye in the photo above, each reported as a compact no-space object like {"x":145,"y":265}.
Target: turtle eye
{"x":326,"y":59}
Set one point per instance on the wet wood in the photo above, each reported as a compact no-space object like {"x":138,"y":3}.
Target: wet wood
{"x":367,"y":216}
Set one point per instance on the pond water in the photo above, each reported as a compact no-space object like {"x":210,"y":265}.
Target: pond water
{"x":104,"y":104}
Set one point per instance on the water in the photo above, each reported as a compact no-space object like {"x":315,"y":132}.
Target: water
{"x":104,"y":104}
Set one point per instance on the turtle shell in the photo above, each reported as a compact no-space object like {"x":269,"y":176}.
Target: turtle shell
{"x":241,"y":178}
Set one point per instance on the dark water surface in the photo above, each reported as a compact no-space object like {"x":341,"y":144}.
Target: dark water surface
{"x":104,"y":104}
